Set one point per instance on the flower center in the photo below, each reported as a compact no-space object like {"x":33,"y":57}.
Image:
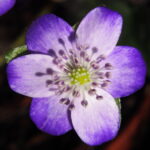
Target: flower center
{"x":80,"y":76}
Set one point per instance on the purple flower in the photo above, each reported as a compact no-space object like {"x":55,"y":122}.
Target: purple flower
{"x":74,"y":77}
{"x":6,"y":5}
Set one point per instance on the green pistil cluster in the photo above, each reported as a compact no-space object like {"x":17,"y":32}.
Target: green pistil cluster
{"x":79,"y":76}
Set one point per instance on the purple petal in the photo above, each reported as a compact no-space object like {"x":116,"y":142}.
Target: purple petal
{"x":50,"y":115}
{"x":28,"y":75}
{"x":128,"y":73}
{"x":49,"y":33}
{"x":100,"y":29}
{"x":99,"y":121}
{"x":6,"y":5}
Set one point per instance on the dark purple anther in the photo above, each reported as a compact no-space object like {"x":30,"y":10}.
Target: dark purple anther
{"x":48,"y":82}
{"x":100,"y":58}
{"x":105,"y":83}
{"x":94,"y":84}
{"x":82,"y":54}
{"x":66,"y":70}
{"x":61,"y":41}
{"x":87,"y":59}
{"x":39,"y":74}
{"x":99,"y":97}
{"x":61,"y":66}
{"x":108,"y":66}
{"x":57,"y":82}
{"x":71,"y":107}
{"x":108,"y":75}
{"x":49,"y":71}
{"x":92,"y":91}
{"x":71,"y":51}
{"x":84,"y":103}
{"x":100,"y":75}
{"x":65,"y":101}
{"x":95,"y":66}
{"x":61,"y":52}
{"x":52,"y":53}
{"x":76,"y":60}
{"x":56,"y":78}
{"x":67,"y":88}
{"x":94,"y":49}
{"x":56,"y":61}
{"x":76,"y":93}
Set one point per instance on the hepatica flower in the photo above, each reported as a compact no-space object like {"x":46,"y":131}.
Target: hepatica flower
{"x":6,"y":5}
{"x":75,"y":76}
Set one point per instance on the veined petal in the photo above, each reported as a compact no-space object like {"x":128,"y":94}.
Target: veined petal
{"x":28,"y":75}
{"x":100,"y":30}
{"x":50,"y":115}
{"x":49,"y":34}
{"x":128,"y":73}
{"x":97,"y":122}
{"x":6,"y":5}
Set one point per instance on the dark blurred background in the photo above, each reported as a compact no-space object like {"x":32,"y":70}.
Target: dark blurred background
{"x":17,"y":132}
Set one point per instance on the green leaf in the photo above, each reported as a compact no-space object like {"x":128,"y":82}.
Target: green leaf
{"x":118,"y":102}
{"x":15,"y":52}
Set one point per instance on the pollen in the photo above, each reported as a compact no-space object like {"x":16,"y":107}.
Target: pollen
{"x":79,"y":76}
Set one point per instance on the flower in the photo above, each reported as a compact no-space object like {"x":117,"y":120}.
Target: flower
{"x":6,"y":5}
{"x":75,"y":76}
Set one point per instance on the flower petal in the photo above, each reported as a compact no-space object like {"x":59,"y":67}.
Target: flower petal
{"x":6,"y":5}
{"x":50,"y":115}
{"x":128,"y":73}
{"x":28,"y":75}
{"x":100,"y":29}
{"x":49,"y":34}
{"x":99,"y":121}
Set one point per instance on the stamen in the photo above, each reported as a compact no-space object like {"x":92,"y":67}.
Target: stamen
{"x":57,"y":82}
{"x":99,"y":97}
{"x":49,"y":71}
{"x":108,"y":75}
{"x":105,"y":83}
{"x":94,"y":49}
{"x":94,"y":84}
{"x":76,"y":61}
{"x":87,"y":59}
{"x":66,"y":70}
{"x":57,"y":61}
{"x":61,"y":41}
{"x":101,"y":75}
{"x":76,"y":93}
{"x":82,"y":54}
{"x":61,"y":66}
{"x":108,"y":66}
{"x":92,"y":91}
{"x":39,"y":74}
{"x":95,"y":66}
{"x":64,"y":101}
{"x":56,"y":78}
{"x":48,"y":82}
{"x":100,"y":58}
{"x":67,"y":88}
{"x":52,"y":53}
{"x":71,"y":107}
{"x":61,"y":52}
{"x":71,"y":51}
{"x":84,"y":103}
